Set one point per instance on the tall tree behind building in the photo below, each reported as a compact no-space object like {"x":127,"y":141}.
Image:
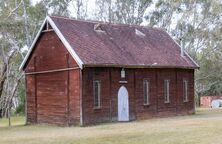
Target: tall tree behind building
{"x":20,"y":21}
{"x":197,"y":25}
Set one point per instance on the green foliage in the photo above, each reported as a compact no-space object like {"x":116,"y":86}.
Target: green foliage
{"x":196,"y":25}
{"x":57,"y":7}
{"x":20,"y":110}
{"x":122,"y":11}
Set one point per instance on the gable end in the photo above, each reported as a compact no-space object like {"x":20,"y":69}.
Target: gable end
{"x":47,"y":21}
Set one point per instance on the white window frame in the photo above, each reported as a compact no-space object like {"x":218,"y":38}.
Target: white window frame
{"x":185,"y":91}
{"x":166,"y":91}
{"x":94,"y":94}
{"x":146,"y":92}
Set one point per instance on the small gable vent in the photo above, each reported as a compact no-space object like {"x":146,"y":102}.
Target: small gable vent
{"x":98,"y":28}
{"x":139,"y":33}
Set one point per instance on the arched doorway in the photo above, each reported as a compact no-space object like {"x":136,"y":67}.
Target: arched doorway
{"x":123,"y":104}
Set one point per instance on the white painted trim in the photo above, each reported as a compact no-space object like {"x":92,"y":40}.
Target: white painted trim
{"x":185,"y":91}
{"x":81,"y":98}
{"x":166,"y":87}
{"x":47,"y":30}
{"x":139,"y":33}
{"x":184,"y":51}
{"x":99,"y":94}
{"x":147,"y":89}
{"x":32,"y":46}
{"x":64,"y":41}
{"x":191,"y":59}
{"x":123,"y":82}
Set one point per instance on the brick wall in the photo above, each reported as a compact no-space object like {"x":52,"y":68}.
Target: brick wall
{"x":110,"y":84}
{"x":52,"y":97}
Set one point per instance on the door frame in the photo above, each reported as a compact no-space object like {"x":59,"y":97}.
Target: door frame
{"x":123,"y":93}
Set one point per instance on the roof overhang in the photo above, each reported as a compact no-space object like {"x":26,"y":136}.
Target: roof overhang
{"x":195,"y":63}
{"x":138,"y":66}
{"x":61,"y":37}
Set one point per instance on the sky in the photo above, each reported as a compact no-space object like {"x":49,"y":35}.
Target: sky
{"x":91,"y":6}
{"x":35,"y":1}
{"x":91,"y":9}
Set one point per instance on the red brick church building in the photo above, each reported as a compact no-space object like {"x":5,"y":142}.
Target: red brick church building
{"x":84,"y":72}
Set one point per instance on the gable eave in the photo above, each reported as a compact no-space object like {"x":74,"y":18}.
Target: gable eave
{"x":65,"y":42}
{"x":61,"y":37}
{"x":194,"y":62}
{"x":32,"y":46}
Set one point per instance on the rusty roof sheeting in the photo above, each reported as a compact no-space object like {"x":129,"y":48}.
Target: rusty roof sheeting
{"x":118,"y":44}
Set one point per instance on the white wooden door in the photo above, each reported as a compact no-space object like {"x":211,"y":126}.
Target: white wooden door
{"x":123,"y":104}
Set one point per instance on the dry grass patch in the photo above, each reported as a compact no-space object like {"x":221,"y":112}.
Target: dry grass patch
{"x":203,"y":128}
{"x":15,"y":121}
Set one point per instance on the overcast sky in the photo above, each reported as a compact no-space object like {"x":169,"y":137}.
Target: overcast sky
{"x":91,"y":6}
{"x":91,"y":9}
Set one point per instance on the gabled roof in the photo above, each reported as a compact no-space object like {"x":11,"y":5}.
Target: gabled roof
{"x":104,"y":44}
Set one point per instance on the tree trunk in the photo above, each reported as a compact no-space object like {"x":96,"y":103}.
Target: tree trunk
{"x":9,"y":99}
{"x":26,"y":25}
{"x":2,"y":82}
{"x":9,"y":117}
{"x":3,"y":78}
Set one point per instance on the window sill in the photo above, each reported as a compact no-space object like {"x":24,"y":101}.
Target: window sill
{"x":166,"y":102}
{"x":186,"y":101}
{"x":146,"y":104}
{"x":97,"y":108}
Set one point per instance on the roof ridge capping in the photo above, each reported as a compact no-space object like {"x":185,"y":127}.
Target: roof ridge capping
{"x":109,"y":23}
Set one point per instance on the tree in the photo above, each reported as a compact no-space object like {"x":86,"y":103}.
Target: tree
{"x":17,"y":30}
{"x":57,"y":7}
{"x":196,"y":25}
{"x":122,"y":11}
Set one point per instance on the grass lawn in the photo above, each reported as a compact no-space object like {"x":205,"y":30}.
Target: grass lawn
{"x":15,"y":121}
{"x":203,"y":128}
